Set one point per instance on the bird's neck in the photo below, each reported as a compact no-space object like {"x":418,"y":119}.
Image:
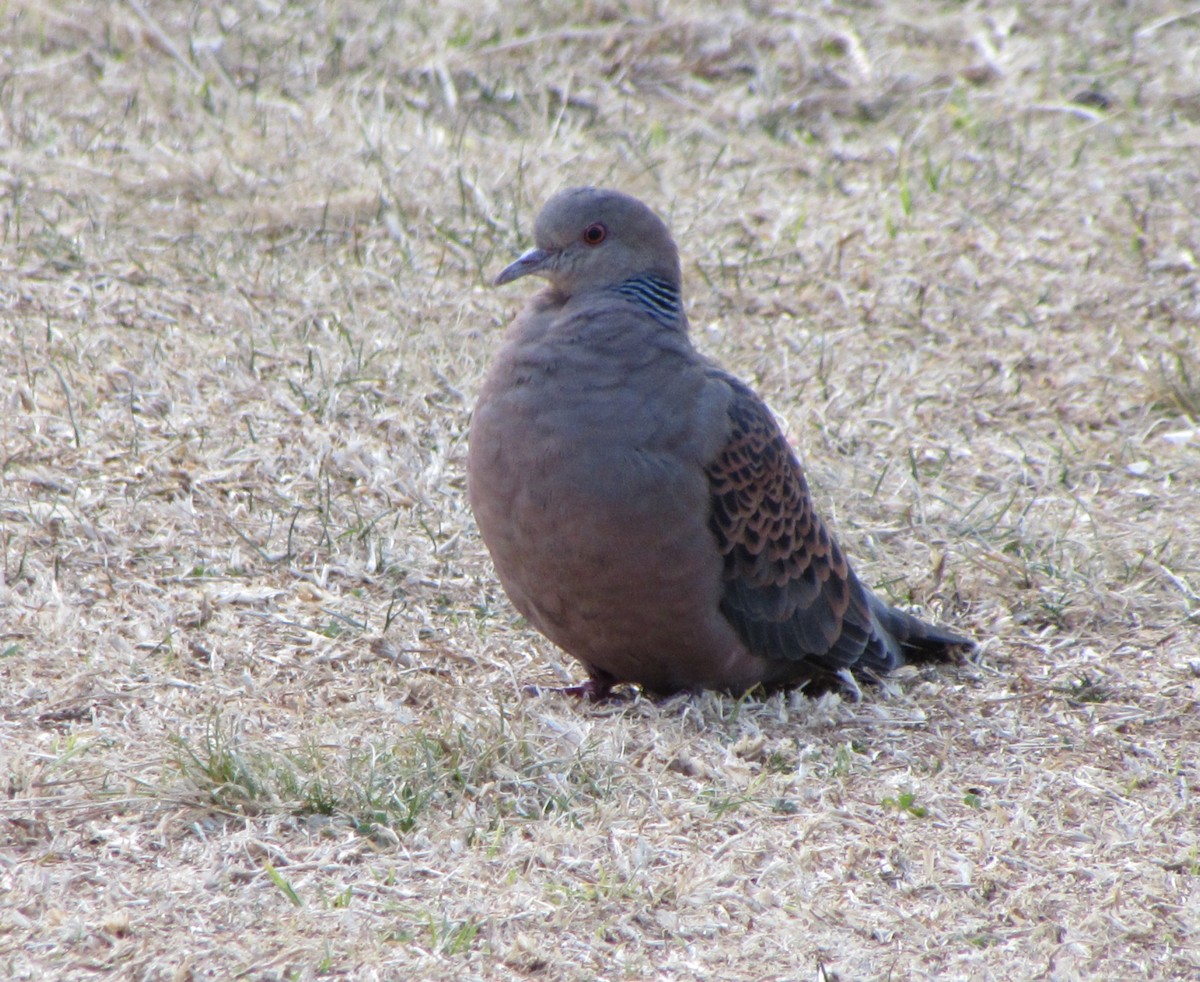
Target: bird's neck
{"x":656,"y":295}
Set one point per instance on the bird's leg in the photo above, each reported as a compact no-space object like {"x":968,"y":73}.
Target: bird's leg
{"x":590,"y":689}
{"x":596,"y":687}
{"x":849,"y":685}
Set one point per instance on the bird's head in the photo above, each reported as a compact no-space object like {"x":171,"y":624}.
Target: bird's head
{"x":592,"y":239}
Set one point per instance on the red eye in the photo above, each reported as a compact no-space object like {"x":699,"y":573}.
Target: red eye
{"x":594,"y":234}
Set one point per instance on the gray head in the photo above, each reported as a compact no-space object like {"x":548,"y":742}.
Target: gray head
{"x":590,"y":238}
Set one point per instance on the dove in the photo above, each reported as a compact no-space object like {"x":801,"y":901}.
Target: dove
{"x":641,"y":506}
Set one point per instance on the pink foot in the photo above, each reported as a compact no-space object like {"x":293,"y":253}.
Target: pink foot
{"x":593,"y":689}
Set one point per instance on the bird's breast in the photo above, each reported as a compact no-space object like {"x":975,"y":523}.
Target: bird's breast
{"x":573,"y":457}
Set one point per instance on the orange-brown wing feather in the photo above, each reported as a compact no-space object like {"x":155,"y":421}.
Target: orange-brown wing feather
{"x":788,"y":589}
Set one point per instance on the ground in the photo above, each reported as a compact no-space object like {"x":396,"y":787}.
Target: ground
{"x":263,"y":712}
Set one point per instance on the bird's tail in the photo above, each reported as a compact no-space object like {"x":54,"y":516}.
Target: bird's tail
{"x":910,"y":640}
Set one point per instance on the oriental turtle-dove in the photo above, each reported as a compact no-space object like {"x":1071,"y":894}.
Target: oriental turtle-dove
{"x":642,"y":507}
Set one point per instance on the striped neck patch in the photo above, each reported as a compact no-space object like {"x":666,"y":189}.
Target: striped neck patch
{"x":656,"y":295}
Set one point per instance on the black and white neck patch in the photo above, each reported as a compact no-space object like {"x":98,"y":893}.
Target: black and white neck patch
{"x":656,"y":295}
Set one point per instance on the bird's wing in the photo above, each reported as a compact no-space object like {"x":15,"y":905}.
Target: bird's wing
{"x":788,"y":589}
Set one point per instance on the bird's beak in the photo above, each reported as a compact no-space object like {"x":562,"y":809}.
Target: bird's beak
{"x":532,"y":262}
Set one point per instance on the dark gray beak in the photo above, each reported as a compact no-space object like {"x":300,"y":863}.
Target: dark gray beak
{"x":532,"y":262}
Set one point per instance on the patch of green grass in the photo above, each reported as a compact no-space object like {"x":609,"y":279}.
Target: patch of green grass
{"x":450,"y":937}
{"x":981,"y":940}
{"x":604,"y":886}
{"x":389,"y":789}
{"x":1178,"y":381}
{"x":779,"y":761}
{"x":1084,"y":689}
{"x":906,"y":801}
{"x":222,"y":768}
{"x":725,"y":804}
{"x":1191,"y":864}
{"x":844,"y":759}
{"x":283,"y":883}
{"x":442,"y":935}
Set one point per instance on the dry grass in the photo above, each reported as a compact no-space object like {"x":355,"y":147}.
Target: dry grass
{"x":262,"y":713}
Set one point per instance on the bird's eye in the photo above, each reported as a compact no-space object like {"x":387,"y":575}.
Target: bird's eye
{"x":594,"y":234}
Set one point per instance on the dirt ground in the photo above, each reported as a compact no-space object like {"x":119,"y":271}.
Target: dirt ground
{"x":261,"y":707}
